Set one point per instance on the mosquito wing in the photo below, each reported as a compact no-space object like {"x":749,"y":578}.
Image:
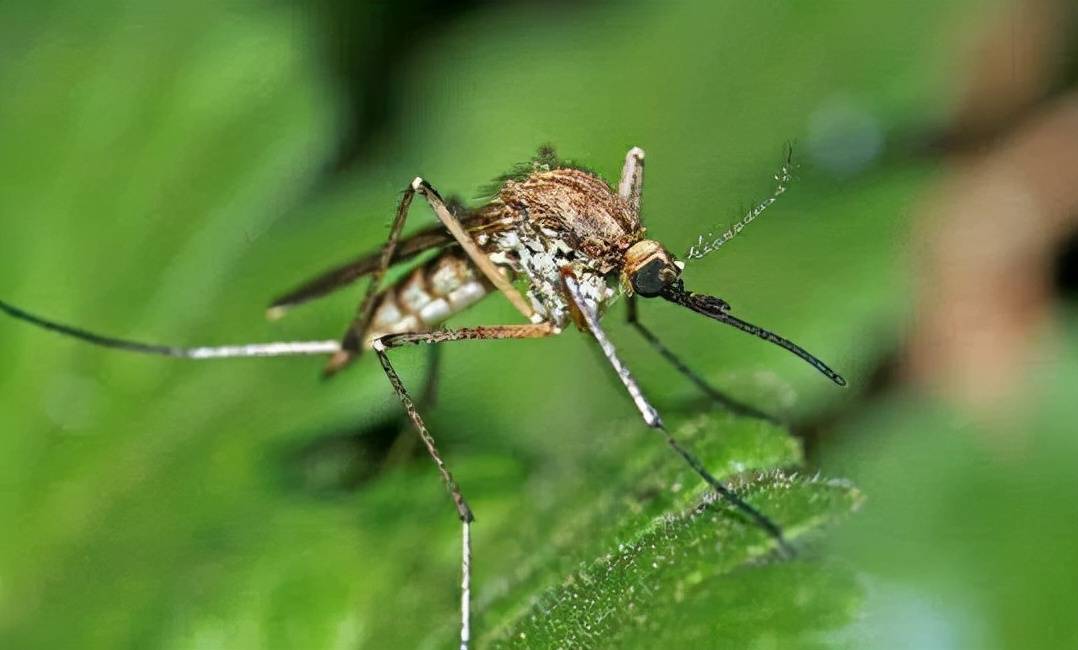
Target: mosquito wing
{"x":433,"y":238}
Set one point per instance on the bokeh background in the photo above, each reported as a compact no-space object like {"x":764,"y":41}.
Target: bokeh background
{"x":165,"y":169}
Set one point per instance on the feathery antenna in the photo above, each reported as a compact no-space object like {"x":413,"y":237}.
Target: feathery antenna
{"x":709,"y":243}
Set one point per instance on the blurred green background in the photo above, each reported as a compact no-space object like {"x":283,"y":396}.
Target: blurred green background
{"x":167,"y":169}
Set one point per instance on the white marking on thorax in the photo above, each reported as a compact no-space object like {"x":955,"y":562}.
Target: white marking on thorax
{"x":540,"y":257}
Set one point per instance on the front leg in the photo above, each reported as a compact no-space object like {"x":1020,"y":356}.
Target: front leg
{"x":652,"y":419}
{"x":727,"y":402}
{"x":647,"y":411}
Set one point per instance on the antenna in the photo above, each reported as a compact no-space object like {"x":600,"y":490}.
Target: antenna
{"x":710,"y":243}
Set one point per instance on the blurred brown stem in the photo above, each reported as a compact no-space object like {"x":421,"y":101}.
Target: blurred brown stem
{"x":992,"y":232}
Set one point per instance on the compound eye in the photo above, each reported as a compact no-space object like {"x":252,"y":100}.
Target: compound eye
{"x":650,"y":279}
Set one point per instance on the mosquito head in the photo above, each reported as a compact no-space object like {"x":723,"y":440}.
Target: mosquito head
{"x":719,"y":309}
{"x":649,"y":268}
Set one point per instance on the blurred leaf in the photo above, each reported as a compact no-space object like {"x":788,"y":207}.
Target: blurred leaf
{"x":966,"y":541}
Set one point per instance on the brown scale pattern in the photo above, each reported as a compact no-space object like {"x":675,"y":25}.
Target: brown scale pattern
{"x":577,"y":205}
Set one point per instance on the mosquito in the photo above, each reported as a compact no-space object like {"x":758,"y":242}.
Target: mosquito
{"x":559,"y":243}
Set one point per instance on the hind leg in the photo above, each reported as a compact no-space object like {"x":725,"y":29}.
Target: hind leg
{"x":405,"y":446}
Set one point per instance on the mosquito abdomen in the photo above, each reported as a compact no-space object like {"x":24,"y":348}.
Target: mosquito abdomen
{"x":428,"y":296}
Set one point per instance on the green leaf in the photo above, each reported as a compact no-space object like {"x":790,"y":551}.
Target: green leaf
{"x":654,"y":543}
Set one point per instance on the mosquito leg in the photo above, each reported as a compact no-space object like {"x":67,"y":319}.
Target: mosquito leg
{"x":651,"y":416}
{"x":727,"y":402}
{"x":632,"y":178}
{"x":360,"y":324}
{"x":350,"y":347}
{"x":381,"y":346}
{"x":404,"y":445}
{"x":475,"y":254}
{"x":278,"y":349}
{"x":463,"y":510}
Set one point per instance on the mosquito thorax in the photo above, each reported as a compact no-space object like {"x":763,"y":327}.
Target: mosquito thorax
{"x":576,"y":208}
{"x":649,"y":268}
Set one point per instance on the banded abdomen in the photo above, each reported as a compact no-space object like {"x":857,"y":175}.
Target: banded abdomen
{"x":428,"y":296}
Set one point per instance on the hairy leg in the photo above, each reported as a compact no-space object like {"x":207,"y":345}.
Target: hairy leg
{"x":357,"y":329}
{"x":475,"y":254}
{"x":404,"y":446}
{"x":381,"y":346}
